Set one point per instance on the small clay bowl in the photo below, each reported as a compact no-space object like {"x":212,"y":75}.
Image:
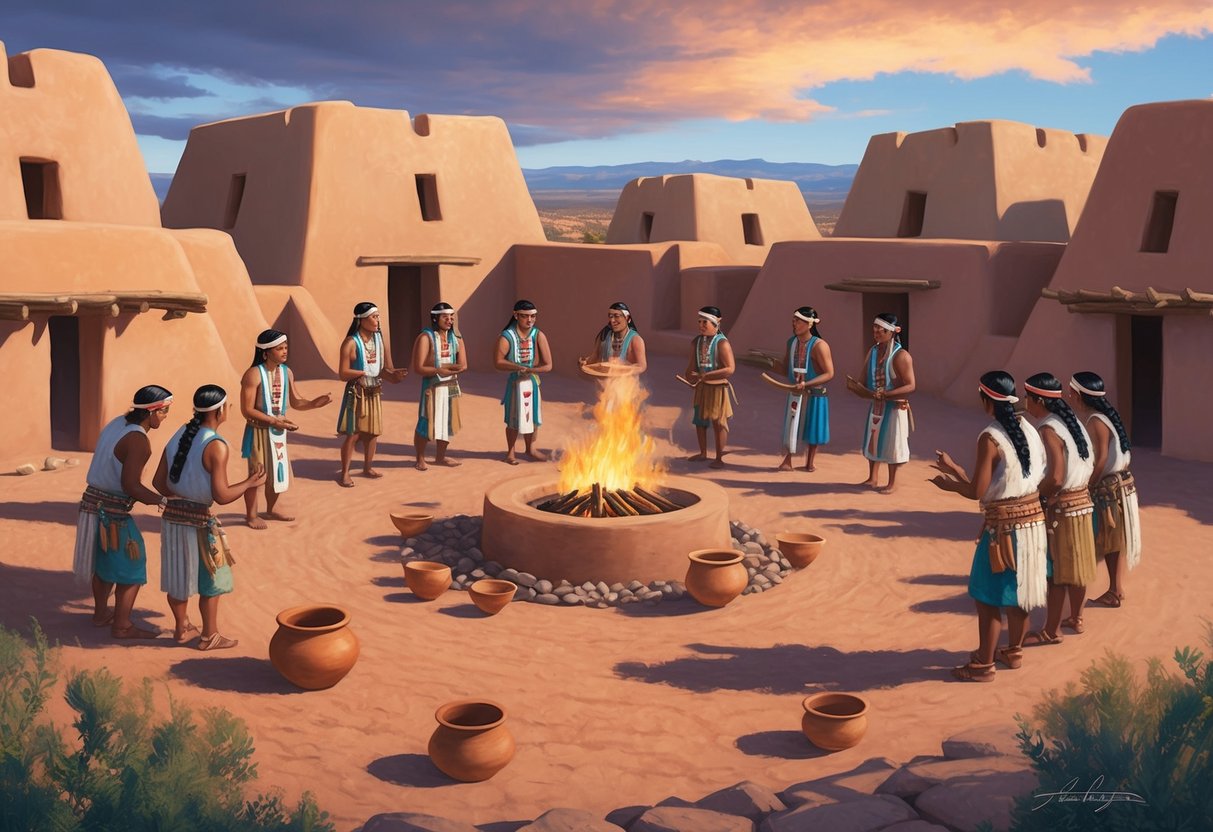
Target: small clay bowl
{"x":834,"y":721}
{"x":411,"y":523}
{"x":800,"y":548}
{"x":426,"y":578}
{"x":492,"y":595}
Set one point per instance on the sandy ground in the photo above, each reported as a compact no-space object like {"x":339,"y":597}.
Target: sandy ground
{"x":609,"y":707}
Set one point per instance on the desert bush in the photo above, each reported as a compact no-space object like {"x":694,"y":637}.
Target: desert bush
{"x":1118,"y":732}
{"x":130,"y":767}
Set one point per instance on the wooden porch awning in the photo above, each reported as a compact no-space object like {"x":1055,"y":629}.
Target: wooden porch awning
{"x":886,"y":285}
{"x":15,"y":306}
{"x":417,"y":260}
{"x":1118,"y":301}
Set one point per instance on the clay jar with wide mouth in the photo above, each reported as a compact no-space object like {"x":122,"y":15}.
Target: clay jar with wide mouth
{"x":800,"y":548}
{"x":427,"y":579}
{"x":716,"y":576}
{"x":411,"y":523}
{"x":834,"y":721}
{"x":314,"y":647}
{"x":471,"y":742}
{"x":492,"y":595}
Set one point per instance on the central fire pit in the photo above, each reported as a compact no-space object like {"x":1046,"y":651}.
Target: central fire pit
{"x":610,"y":549}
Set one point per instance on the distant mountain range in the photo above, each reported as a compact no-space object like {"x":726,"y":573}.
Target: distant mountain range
{"x":818,"y":183}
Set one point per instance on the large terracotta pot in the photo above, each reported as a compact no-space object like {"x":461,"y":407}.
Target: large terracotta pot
{"x":800,"y":548}
{"x":716,"y":576}
{"x":471,"y":742}
{"x":314,"y":647}
{"x":491,"y":595}
{"x":426,"y":578}
{"x":834,"y":721}
{"x":411,"y":523}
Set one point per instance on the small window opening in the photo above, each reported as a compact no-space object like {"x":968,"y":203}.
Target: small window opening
{"x":646,"y":227}
{"x":912,"y":214}
{"x":43,"y":199}
{"x":235,"y":196}
{"x":1162,"y":217}
{"x":427,"y":197}
{"x":752,"y":229}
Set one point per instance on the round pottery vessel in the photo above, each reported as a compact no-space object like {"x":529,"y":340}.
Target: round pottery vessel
{"x":471,"y":742}
{"x":800,"y":548}
{"x":716,"y":576}
{"x":492,"y":595}
{"x":834,"y":721}
{"x":426,"y":578}
{"x":411,"y":523}
{"x":314,"y":647}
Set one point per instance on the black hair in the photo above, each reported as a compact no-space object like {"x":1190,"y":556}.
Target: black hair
{"x":520,"y":306}
{"x":810,"y":312}
{"x":618,"y":306}
{"x":360,"y":309}
{"x":208,"y":395}
{"x":442,"y":308}
{"x":891,"y":319}
{"x":1000,"y":381}
{"x":150,"y":394}
{"x":1092,"y":381}
{"x":1059,"y":407}
{"x":265,"y":337}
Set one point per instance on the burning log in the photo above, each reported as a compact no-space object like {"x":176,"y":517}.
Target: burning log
{"x":620,"y":506}
{"x":659,"y":501}
{"x":557,"y":503}
{"x":637,"y":502}
{"x":603,"y":502}
{"x":596,"y":505}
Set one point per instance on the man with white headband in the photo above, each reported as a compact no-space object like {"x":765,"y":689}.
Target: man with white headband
{"x":109,"y":547}
{"x":364,"y":364}
{"x":618,"y":341}
{"x":265,"y":390}
{"x":708,"y":372}
{"x":523,"y":352}
{"x":439,"y":358}
{"x":889,"y":378}
{"x":809,"y":365}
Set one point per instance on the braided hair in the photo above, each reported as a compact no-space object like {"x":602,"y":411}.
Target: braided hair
{"x":1001,"y":382}
{"x":359,"y":310}
{"x":1092,"y":381}
{"x":618,"y":306}
{"x":520,"y":306}
{"x":810,"y":312}
{"x":1058,"y":407}
{"x":265,"y":337}
{"x":206,"y":396}
{"x":144,"y":396}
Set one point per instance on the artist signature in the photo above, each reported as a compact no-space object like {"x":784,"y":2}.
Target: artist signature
{"x":1070,"y":794}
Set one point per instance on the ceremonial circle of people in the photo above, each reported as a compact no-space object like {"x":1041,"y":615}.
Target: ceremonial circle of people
{"x":1053,"y":482}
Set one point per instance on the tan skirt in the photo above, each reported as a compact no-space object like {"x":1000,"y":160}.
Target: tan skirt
{"x":1069,"y":517}
{"x":361,"y":410}
{"x":712,"y":404}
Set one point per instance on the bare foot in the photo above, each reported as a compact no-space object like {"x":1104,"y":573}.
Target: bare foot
{"x":346,"y":483}
{"x":786,"y":465}
{"x":421,"y":466}
{"x":810,"y":468}
{"x":888,"y":489}
{"x":274,"y":515}
{"x":866,"y":484}
{"x":187,"y":635}
{"x":509,"y":460}
{"x":717,"y":463}
{"x":256,"y":523}
{"x":103,"y":618}
{"x":131,"y":631}
{"x":697,"y":458}
{"x":447,"y":463}
{"x":538,"y":456}
{"x":371,"y":473}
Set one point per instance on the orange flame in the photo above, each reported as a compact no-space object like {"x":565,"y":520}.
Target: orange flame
{"x":616,"y":453}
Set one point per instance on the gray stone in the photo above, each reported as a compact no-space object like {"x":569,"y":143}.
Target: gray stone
{"x":588,"y":586}
{"x":863,"y":814}
{"x":675,"y":800}
{"x":964,"y":802}
{"x":543,"y":587}
{"x":465,"y":565}
{"x":526,"y":579}
{"x":861,"y":781}
{"x":688,"y":819}
{"x":71,"y":462}
{"x":602,"y":588}
{"x":982,"y":741}
{"x":562,"y":591}
{"x":414,"y":822}
{"x":753,"y":548}
{"x":27,"y":469}
{"x":635,"y":585}
{"x":752,"y":561}
{"x":476,"y":554}
{"x":747,"y":799}
{"x":625,"y":815}
{"x":569,"y":820}
{"x":509,"y":574}
{"x":52,"y":463}
{"x":547,"y":598}
{"x":616,"y":587}
{"x":913,"y":779}
{"x":775,"y":579}
{"x":478,"y":574}
{"x":572,"y":599}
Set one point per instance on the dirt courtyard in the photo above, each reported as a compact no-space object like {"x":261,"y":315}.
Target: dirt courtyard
{"x":608,"y":707}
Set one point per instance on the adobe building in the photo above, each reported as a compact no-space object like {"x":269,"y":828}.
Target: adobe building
{"x":330,"y":204}
{"x":96,"y":299}
{"x":1133,"y":295}
{"x":978,"y":180}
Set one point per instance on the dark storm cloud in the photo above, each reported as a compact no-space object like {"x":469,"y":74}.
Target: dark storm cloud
{"x":137,"y":82}
{"x":174,"y":128}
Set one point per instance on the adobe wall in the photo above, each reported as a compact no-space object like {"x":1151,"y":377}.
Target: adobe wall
{"x":983,"y":180}
{"x":987,"y":290}
{"x":1154,"y":147}
{"x":709,"y":208}
{"x":328,"y":182}
{"x":62,"y":107}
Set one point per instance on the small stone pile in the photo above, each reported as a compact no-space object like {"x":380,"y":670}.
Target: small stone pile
{"x":455,"y":542}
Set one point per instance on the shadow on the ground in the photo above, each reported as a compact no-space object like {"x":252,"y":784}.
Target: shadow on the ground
{"x":938,"y":579}
{"x":391,"y":581}
{"x":666,"y":608}
{"x":787,"y":745}
{"x":403,"y":598}
{"x":956,"y":604}
{"x":941,"y":525}
{"x":464,"y":611}
{"x":789,"y":668}
{"x":237,"y":674}
{"x":415,"y":770}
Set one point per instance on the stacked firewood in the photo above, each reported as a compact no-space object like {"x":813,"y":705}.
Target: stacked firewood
{"x":601,"y":502}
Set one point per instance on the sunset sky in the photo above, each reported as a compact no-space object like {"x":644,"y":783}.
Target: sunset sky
{"x":616,"y":81}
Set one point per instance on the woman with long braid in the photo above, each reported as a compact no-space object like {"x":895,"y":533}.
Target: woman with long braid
{"x":194,"y":556}
{"x":1068,"y":506}
{"x":1117,"y":521}
{"x":1009,"y":564}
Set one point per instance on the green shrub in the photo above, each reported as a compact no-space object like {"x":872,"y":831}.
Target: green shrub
{"x":131,"y":768}
{"x":1117,"y":732}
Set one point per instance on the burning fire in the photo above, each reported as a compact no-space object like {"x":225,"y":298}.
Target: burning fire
{"x":616,"y":454}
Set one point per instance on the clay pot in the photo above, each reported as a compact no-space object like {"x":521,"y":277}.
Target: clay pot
{"x":492,"y":595}
{"x":834,"y":721}
{"x":800,"y":548}
{"x":427,"y":579}
{"x":716,"y":576}
{"x":471,"y":742}
{"x":411,"y":523}
{"x":313,"y":647}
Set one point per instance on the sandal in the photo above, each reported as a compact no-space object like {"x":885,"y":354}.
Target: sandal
{"x":216,"y":642}
{"x":188,"y":634}
{"x":1010,"y":657}
{"x":1073,"y":623}
{"x":1041,"y":637}
{"x":974,"y":672}
{"x":131,"y":631}
{"x":1108,"y":599}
